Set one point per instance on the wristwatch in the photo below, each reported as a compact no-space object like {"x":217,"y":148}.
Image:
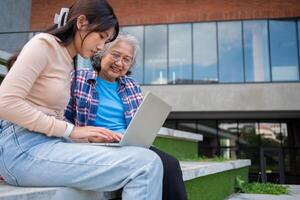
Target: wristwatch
{"x":68,"y":130}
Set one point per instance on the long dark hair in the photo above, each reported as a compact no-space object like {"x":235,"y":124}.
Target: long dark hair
{"x":99,"y":14}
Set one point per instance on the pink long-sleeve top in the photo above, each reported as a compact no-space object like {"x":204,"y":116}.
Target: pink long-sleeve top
{"x":36,"y":90}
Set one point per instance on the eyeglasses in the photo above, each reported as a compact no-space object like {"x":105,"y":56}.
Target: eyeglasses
{"x":117,"y":57}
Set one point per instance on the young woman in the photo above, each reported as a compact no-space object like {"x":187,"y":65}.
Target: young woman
{"x":107,"y":98}
{"x":34,"y":147}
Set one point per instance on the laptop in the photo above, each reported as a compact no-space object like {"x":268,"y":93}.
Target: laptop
{"x":145,"y":124}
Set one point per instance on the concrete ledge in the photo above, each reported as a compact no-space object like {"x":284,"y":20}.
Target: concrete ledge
{"x":3,"y":70}
{"x":191,"y":170}
{"x":4,"y":55}
{"x":177,"y":134}
{"x":8,"y":192}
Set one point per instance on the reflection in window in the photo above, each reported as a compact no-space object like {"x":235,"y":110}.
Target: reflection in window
{"x":292,"y":165}
{"x":205,"y":53}
{"x":284,"y":133}
{"x":208,"y":129}
{"x":248,"y":134}
{"x":180,"y":53}
{"x":256,"y":51}
{"x":230,"y":52}
{"x":228,"y":152}
{"x":155,"y":54}
{"x":253,"y":155}
{"x":298,"y":31}
{"x":187,"y":125}
{"x":169,"y":123}
{"x":270,"y":134}
{"x":228,"y":136}
{"x":137,"y":70}
{"x":284,"y":58}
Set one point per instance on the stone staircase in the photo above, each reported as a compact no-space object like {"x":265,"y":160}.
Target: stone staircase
{"x":197,"y":175}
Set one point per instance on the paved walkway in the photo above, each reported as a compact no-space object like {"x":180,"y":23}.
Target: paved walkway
{"x":294,"y":195}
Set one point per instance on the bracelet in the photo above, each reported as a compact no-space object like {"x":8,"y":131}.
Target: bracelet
{"x":68,"y":130}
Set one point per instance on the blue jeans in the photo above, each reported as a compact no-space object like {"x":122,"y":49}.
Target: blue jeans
{"x":33,"y":159}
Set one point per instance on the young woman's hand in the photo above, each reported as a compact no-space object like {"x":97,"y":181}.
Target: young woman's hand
{"x":94,"y":134}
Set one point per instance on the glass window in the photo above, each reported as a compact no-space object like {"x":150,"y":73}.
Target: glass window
{"x":270,"y":134}
{"x":187,"y":125}
{"x":249,"y":136}
{"x":283,"y":43}
{"x":292,"y":165}
{"x":230,"y":52}
{"x":205,"y":53}
{"x":284,"y":134}
{"x":170,"y":123}
{"x":298,"y":23}
{"x":209,"y":145}
{"x":137,"y":69}
{"x":228,"y":133}
{"x":254,"y":155}
{"x":180,"y":53}
{"x":256,"y":51}
{"x":290,"y":133}
{"x":155,"y":54}
{"x":228,"y":152}
{"x":228,"y":138}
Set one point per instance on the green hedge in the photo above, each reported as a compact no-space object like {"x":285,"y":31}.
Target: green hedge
{"x":216,"y":186}
{"x":181,"y":149}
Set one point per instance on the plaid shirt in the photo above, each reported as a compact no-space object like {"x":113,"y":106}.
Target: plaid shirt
{"x":83,"y":105}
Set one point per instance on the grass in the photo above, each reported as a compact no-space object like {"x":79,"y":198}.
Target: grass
{"x":180,"y":149}
{"x":260,"y":188}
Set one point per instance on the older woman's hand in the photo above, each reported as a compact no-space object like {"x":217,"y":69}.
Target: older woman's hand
{"x":93,"y":134}
{"x":117,"y":138}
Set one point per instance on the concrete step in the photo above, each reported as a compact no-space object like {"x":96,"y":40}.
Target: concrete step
{"x":191,"y":171}
{"x":180,"y":135}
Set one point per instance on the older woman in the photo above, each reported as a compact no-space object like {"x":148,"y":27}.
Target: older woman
{"x":107,"y":98}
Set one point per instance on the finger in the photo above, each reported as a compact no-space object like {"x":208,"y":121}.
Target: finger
{"x":98,"y":134}
{"x":119,"y":135}
{"x":116,"y":138}
{"x":105,"y":131}
{"x":97,"y":140}
{"x":101,"y":129}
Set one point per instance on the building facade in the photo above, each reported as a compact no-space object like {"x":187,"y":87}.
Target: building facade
{"x":230,"y":70}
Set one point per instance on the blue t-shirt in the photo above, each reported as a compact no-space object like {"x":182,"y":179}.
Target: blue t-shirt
{"x":110,"y":113}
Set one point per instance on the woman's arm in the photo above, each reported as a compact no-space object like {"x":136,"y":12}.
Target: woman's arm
{"x":17,"y":85}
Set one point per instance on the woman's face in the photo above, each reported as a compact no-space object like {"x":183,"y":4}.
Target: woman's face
{"x":117,"y":61}
{"x":93,"y":42}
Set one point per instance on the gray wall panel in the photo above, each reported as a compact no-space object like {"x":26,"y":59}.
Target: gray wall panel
{"x":14,"y":16}
{"x":234,"y":98}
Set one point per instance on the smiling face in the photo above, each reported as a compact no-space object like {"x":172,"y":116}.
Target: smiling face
{"x":117,"y":61}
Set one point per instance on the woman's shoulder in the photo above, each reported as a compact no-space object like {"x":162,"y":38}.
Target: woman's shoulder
{"x":130,"y":80}
{"x":85,"y":73}
{"x":48,"y":38}
{"x":45,"y":40}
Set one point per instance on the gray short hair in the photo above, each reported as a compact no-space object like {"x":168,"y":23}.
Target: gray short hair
{"x":122,"y":36}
